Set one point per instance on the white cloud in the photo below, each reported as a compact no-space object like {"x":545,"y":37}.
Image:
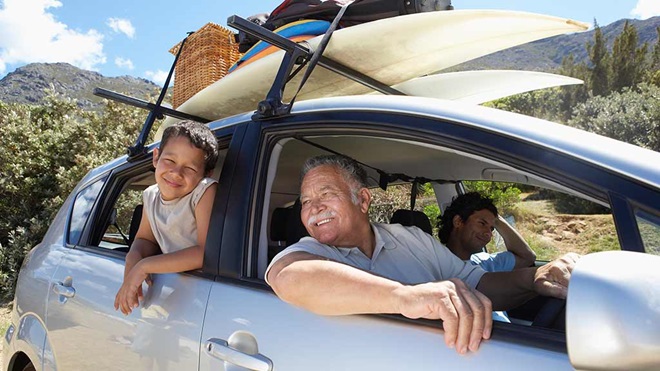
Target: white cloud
{"x":120,"y":25}
{"x":31,"y":34}
{"x":158,"y":76}
{"x":646,"y":9}
{"x":124,"y":63}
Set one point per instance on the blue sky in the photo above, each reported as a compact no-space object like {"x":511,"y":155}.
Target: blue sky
{"x":132,"y":37}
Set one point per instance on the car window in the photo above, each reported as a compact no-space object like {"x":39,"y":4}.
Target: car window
{"x":126,"y":213}
{"x":551,"y":221}
{"x":82,"y":207}
{"x":649,"y":229}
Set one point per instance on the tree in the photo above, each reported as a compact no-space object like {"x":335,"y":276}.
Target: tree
{"x":631,"y":116}
{"x":628,"y":61}
{"x":599,"y":57}
{"x":654,"y":70}
{"x":45,"y":150}
{"x":570,"y":96}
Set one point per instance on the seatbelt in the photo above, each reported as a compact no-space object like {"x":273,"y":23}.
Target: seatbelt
{"x":413,"y":199}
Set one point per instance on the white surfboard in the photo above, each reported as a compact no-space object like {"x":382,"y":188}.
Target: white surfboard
{"x":391,"y":50}
{"x":477,"y":87}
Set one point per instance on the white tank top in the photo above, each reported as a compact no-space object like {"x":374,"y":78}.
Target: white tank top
{"x":173,"y":222}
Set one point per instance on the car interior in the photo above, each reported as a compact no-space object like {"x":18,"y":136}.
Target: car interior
{"x":389,"y":162}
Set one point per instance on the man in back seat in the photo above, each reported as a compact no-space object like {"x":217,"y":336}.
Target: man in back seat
{"x":466,"y":227}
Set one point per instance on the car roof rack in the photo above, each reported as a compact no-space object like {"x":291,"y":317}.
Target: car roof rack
{"x":138,"y":151}
{"x":272,"y":105}
{"x":296,"y":54}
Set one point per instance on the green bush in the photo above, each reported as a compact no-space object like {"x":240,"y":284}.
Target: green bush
{"x":567,"y":204}
{"x":45,"y":150}
{"x":504,"y":195}
{"x":632,"y":116}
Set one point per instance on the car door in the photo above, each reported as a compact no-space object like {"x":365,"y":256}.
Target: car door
{"x":84,"y":329}
{"x":248,"y":327}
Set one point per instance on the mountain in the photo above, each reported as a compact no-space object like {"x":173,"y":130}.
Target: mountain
{"x":546,"y":55}
{"x":27,"y":84}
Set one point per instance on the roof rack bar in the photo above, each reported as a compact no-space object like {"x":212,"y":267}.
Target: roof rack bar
{"x":139,"y":103}
{"x":138,"y":150}
{"x":305,"y":54}
{"x":358,"y":77}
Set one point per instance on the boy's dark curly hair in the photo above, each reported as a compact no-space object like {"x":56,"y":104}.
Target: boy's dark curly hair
{"x":199,"y":135}
{"x":463,"y":206}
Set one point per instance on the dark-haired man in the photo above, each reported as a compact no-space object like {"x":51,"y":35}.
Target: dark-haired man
{"x":351,"y":266}
{"x":467,"y":226}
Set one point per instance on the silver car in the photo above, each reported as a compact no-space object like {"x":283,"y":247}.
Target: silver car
{"x":225,"y":317}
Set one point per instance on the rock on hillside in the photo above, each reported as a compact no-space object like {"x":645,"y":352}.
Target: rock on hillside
{"x":546,"y":55}
{"x":28,"y":84}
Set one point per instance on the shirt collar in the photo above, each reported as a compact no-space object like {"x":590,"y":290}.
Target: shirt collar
{"x":382,"y":242}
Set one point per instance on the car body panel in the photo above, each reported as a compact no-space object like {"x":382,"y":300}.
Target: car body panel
{"x":295,"y":339}
{"x":163,"y":332}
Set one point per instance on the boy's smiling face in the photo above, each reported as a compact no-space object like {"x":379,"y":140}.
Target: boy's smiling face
{"x":179,"y":168}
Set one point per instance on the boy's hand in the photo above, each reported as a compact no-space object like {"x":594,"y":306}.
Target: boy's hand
{"x":130,"y":293}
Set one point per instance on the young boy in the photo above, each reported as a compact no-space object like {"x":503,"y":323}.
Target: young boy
{"x":176,"y":213}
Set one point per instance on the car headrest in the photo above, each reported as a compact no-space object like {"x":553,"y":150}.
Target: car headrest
{"x":295,"y":228}
{"x":412,"y":218}
{"x":285,"y":224}
{"x":278,"y":222}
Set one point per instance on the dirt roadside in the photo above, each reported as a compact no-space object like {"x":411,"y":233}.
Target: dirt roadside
{"x":5,"y":316}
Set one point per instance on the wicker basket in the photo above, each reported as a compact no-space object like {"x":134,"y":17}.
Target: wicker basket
{"x":206,"y":57}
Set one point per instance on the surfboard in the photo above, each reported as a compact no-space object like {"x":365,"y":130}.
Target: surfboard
{"x":477,"y":87}
{"x":391,"y":50}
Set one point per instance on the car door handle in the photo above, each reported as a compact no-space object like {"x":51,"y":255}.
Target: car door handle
{"x":221,"y":349}
{"x":67,"y":292}
{"x":64,"y":289}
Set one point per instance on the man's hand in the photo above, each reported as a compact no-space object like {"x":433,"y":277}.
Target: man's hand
{"x":466,"y":313}
{"x":130,"y":293}
{"x":552,"y":279}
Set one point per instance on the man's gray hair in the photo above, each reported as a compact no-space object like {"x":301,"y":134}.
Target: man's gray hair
{"x":353,"y":173}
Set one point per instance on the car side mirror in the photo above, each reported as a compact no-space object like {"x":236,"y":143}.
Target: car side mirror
{"x":613,"y":312}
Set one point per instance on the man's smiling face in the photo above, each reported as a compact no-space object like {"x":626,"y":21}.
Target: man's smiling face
{"x":328,"y":209}
{"x":477,"y":231}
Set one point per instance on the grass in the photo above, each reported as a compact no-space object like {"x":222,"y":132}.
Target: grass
{"x":5,"y":317}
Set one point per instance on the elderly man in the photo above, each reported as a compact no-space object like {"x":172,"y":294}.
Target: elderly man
{"x":350,"y":266}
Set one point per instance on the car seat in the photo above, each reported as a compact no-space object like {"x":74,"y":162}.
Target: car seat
{"x":412,"y":218}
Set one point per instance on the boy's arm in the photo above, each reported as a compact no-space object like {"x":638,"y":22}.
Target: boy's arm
{"x":515,"y":243}
{"x":179,"y":261}
{"x":143,"y":246}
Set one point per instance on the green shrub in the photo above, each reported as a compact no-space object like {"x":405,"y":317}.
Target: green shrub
{"x":504,"y":195}
{"x":45,"y":150}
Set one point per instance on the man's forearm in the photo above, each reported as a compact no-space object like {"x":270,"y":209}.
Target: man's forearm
{"x":508,"y":289}
{"x":515,"y":243}
{"x":346,"y":290}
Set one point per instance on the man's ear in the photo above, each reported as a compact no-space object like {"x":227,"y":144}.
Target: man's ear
{"x":156,"y":155}
{"x":365,"y":199}
{"x":456,"y":221}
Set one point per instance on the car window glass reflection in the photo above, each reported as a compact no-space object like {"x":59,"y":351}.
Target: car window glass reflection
{"x":81,"y":209}
{"x":649,"y":229}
